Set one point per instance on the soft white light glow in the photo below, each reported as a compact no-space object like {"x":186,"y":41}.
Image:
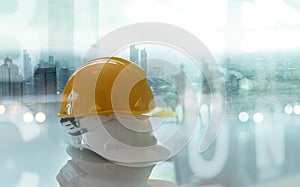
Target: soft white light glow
{"x":19,"y":114}
{"x":243,"y":116}
{"x":40,"y":117}
{"x":205,"y":114}
{"x":28,"y":117}
{"x":288,"y":109}
{"x":270,"y":39}
{"x":297,"y":109}
{"x":267,"y":13}
{"x":202,"y":18}
{"x":258,"y":117}
{"x":260,"y":20}
{"x":29,"y":178}
{"x":2,"y":109}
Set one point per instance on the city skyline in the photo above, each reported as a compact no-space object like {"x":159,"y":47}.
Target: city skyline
{"x":46,"y":77}
{"x":239,"y":71}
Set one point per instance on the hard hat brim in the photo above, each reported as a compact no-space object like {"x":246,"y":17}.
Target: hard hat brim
{"x":156,"y":112}
{"x":160,"y":112}
{"x":123,"y":154}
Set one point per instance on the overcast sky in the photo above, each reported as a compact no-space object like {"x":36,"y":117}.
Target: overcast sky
{"x":245,"y":25}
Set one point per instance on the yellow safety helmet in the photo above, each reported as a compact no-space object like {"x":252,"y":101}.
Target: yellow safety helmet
{"x":109,"y":85}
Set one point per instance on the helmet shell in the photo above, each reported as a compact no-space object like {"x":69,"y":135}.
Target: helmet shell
{"x":106,"y":86}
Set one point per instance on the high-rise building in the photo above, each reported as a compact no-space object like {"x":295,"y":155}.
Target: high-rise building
{"x":57,"y":65}
{"x":11,"y":82}
{"x":27,"y":66}
{"x":45,"y":81}
{"x":64,"y":75}
{"x":51,"y":60}
{"x":134,"y":54}
{"x":144,"y":60}
{"x":47,"y":64}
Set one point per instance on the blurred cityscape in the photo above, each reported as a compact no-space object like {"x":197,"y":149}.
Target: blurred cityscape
{"x":255,"y":43}
{"x":261,"y":89}
{"x":248,"y":75}
{"x":46,"y":78}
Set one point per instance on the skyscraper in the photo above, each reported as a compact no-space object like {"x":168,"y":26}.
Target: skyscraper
{"x":51,"y":60}
{"x":134,"y":54}
{"x":27,"y":66}
{"x":144,"y":60}
{"x":46,"y":64}
{"x":11,"y":82}
{"x":45,"y":81}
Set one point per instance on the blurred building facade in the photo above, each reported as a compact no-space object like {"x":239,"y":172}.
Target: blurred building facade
{"x":11,"y":82}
